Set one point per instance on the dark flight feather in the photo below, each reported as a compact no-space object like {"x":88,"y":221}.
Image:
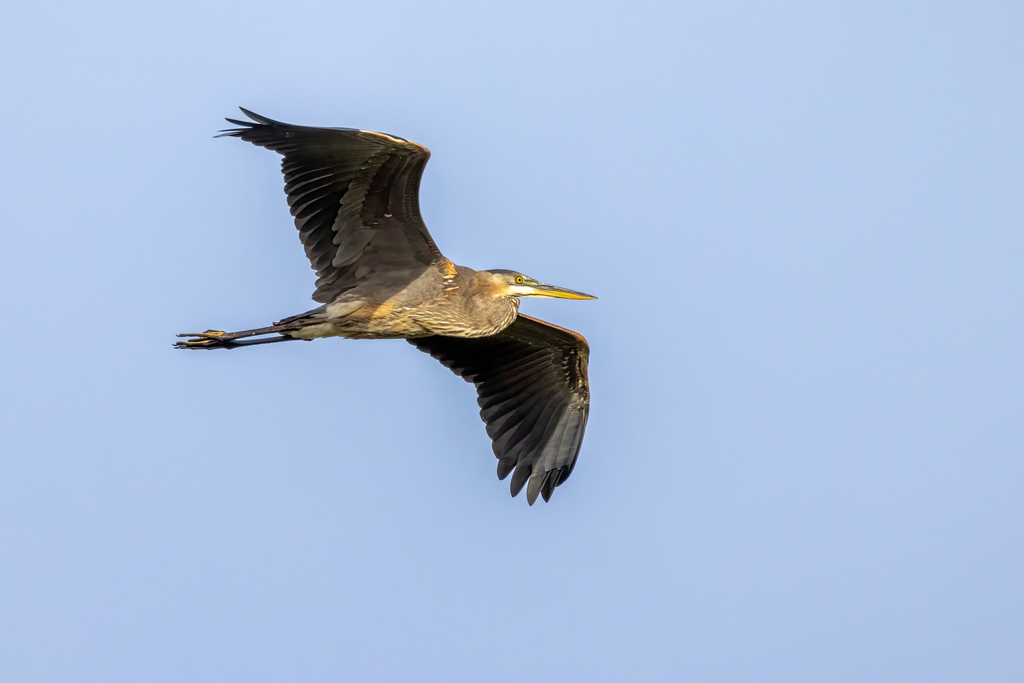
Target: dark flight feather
{"x":355,"y":198}
{"x":531,"y":381}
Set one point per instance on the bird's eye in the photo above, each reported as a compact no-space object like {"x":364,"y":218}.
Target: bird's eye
{"x":519,"y":280}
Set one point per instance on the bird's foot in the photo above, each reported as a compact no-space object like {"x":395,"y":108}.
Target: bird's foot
{"x":211,"y":339}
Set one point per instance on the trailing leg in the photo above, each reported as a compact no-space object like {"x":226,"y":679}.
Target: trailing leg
{"x":215,"y":339}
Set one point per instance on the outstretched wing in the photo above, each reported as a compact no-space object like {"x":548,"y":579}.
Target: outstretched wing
{"x":355,"y":198}
{"x":531,"y":383}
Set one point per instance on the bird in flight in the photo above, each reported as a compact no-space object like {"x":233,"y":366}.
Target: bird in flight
{"x":355,"y":198}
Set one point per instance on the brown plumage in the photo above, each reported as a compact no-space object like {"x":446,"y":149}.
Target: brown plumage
{"x":354,"y":196}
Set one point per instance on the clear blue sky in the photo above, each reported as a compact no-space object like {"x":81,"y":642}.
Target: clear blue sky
{"x":805,"y":457}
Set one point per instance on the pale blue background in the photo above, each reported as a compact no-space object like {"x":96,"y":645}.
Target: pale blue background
{"x":805,"y":224}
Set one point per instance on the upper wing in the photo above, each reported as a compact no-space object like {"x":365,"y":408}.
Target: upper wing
{"x":354,"y":195}
{"x":531,"y":382}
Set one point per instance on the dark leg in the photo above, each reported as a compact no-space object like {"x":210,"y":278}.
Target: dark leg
{"x":214,"y":339}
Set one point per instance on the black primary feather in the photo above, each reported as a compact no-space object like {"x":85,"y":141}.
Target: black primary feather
{"x":355,"y":198}
{"x":531,"y":382}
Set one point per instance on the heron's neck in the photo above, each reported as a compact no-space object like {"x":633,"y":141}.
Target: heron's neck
{"x":492,"y":315}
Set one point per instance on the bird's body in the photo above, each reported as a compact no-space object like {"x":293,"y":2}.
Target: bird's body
{"x":354,"y":196}
{"x":432,"y":304}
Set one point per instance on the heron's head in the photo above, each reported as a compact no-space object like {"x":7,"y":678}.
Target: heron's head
{"x":511,"y":283}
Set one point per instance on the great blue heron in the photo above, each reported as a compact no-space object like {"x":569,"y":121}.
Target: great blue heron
{"x":354,"y":196}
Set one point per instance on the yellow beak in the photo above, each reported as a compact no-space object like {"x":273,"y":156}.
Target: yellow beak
{"x":541,"y":289}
